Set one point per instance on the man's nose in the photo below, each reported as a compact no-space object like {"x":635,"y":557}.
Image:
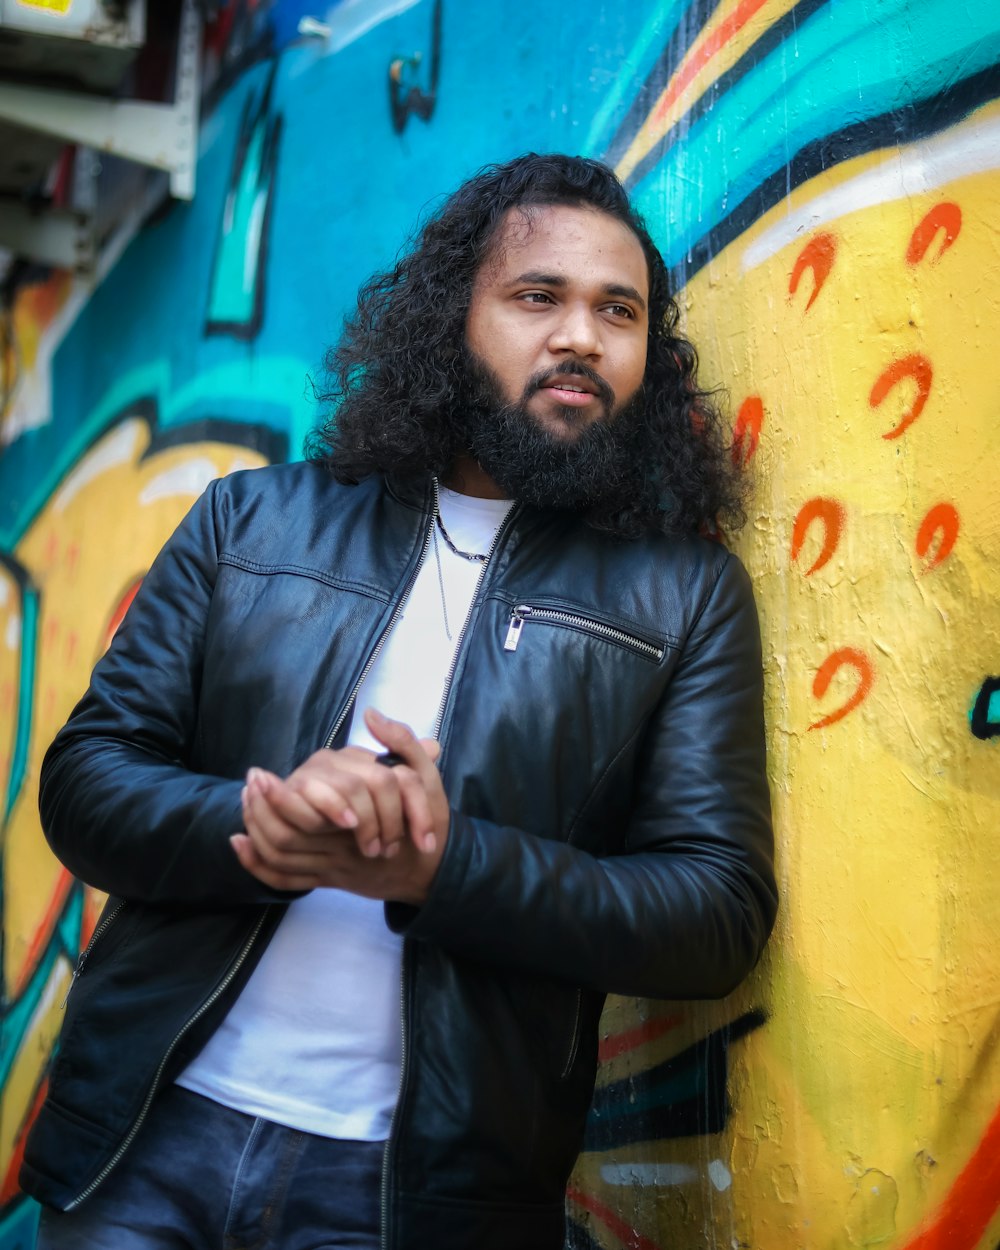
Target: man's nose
{"x":578,"y":332}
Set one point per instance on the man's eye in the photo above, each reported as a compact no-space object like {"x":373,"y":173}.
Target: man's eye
{"x":621,"y":310}
{"x":537,"y":297}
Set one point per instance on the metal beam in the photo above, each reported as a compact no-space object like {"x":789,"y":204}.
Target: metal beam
{"x":50,"y":237}
{"x":164,"y":136}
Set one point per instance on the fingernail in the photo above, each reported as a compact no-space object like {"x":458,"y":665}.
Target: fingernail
{"x":243,"y":795}
{"x":430,"y":842}
{"x":377,"y":715}
{"x":373,"y":849}
{"x":348,"y":819}
{"x":391,"y":851}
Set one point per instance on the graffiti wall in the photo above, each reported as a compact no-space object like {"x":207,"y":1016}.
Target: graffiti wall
{"x":822,"y":178}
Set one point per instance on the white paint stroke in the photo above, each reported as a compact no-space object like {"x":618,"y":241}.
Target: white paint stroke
{"x":30,"y":407}
{"x":970,"y":148}
{"x":648,"y":1174}
{"x":12,"y":635}
{"x":189,"y":478}
{"x":353,"y":18}
{"x":719,"y":1175}
{"x":4,"y":592}
{"x":118,"y":448}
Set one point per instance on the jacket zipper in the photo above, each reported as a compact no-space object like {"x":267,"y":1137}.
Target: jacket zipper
{"x":248,"y":945}
{"x":215,"y":995}
{"x":524,"y":612}
{"x":501,"y":531}
{"x":95,"y":937}
{"x":404,"y":1049}
{"x":396,"y":612}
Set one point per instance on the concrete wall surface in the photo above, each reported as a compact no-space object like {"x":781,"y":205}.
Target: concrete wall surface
{"x":822,"y":178}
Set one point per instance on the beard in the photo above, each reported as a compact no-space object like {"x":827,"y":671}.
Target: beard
{"x":599,"y":467}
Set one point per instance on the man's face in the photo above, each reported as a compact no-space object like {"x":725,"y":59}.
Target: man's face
{"x":559,"y":319}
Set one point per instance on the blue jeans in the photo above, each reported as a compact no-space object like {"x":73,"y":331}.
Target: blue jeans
{"x":200,"y":1176}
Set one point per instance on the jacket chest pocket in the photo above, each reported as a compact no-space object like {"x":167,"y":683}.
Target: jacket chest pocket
{"x":523,"y":613}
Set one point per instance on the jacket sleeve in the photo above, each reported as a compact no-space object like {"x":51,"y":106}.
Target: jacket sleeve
{"x":120,"y":804}
{"x":685,"y":910}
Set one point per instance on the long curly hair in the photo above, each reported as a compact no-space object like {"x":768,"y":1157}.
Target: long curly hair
{"x":397,"y":374}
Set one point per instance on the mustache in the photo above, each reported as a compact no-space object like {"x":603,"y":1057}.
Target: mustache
{"x":572,"y":368}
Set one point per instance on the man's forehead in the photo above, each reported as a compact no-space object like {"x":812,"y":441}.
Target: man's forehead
{"x":551,"y":230}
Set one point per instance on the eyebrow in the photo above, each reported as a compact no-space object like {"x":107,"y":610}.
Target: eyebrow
{"x":553,"y":279}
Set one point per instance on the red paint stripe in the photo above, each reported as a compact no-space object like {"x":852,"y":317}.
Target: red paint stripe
{"x":973,"y":1200}
{"x":44,"y":932}
{"x":620,"y":1043}
{"x":10,"y":1188}
{"x":703,"y":53}
{"x":630,"y":1237}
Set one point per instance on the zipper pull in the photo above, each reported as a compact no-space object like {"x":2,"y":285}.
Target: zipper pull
{"x":73,"y":979}
{"x":518,"y":616}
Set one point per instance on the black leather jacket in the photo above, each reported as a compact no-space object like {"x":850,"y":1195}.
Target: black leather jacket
{"x":602,"y":748}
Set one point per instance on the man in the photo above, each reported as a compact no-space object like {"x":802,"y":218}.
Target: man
{"x":403,"y":758}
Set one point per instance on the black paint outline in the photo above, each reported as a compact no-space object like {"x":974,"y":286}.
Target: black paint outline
{"x":982,"y":726}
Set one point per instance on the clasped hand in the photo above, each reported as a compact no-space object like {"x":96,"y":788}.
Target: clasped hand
{"x":343,"y":820}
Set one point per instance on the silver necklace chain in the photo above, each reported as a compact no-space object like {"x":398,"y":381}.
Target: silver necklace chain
{"x":478,"y":556}
{"x":444,"y":601}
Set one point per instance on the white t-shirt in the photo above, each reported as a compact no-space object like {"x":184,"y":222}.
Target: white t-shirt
{"x":313,"y":1041}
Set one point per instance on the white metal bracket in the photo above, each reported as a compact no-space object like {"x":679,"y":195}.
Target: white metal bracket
{"x":163,"y":136}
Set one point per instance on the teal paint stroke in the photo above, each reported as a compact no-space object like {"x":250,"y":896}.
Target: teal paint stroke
{"x":280,"y":382}
{"x":236,"y":298}
{"x":852,"y":60}
{"x":19,"y":1226}
{"x":25,"y":697}
{"x":993,"y":708}
{"x":17,"y":1016}
{"x":648,"y":1095}
{"x":632,"y":71}
{"x":237,"y":272}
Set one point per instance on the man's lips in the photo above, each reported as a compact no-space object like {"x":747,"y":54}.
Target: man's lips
{"x":571,"y":389}
{"x":572,"y":396}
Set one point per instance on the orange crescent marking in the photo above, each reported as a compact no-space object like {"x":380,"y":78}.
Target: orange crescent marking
{"x":817,"y":255}
{"x":831,"y":513}
{"x":946,"y":217}
{"x":746,"y":431}
{"x":941,"y":520}
{"x":831,"y":665}
{"x":916,"y":367}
